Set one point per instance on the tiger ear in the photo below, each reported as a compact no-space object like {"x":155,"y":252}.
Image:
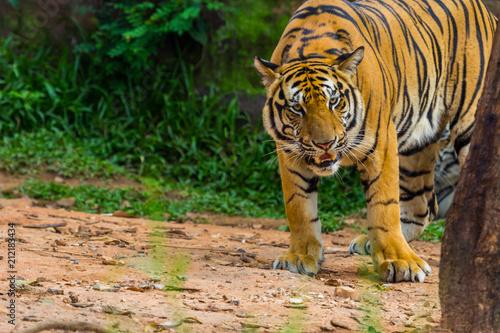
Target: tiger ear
{"x":266,"y":69}
{"x":348,"y":63}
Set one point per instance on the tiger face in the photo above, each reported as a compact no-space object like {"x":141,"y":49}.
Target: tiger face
{"x":313,"y":109}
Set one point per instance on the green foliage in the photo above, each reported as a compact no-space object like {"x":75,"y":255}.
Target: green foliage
{"x":87,"y":198}
{"x":14,"y":3}
{"x":134,"y":30}
{"x":252,"y":27}
{"x":433,"y":232}
{"x":54,"y":151}
{"x":112,"y":105}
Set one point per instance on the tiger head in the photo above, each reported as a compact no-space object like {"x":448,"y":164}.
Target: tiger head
{"x":313,"y":108}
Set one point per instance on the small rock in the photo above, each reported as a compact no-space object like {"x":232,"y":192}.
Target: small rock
{"x":110,"y":261}
{"x":55,"y":291}
{"x":182,"y":277}
{"x":66,"y":202}
{"x":121,"y":213}
{"x":144,"y":285}
{"x":346,"y":292}
{"x":59,"y":180}
{"x":235,"y":302}
{"x":296,"y":301}
{"x":83,"y":229}
{"x":158,"y":286}
{"x":333,"y":282}
{"x":342,"y":324}
{"x":60,"y":242}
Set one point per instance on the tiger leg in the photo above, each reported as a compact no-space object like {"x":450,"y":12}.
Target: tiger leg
{"x":391,"y":255}
{"x":300,"y":191}
{"x":417,"y":199}
{"x":461,"y":134}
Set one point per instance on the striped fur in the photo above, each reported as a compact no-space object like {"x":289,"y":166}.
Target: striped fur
{"x":373,"y":83}
{"x":447,"y":172}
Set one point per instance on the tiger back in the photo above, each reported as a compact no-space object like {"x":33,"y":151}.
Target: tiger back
{"x":372,"y":84}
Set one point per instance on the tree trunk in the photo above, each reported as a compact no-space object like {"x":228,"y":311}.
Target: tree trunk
{"x":469,"y":276}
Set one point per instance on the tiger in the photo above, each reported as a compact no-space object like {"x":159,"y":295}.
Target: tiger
{"x":372,"y":84}
{"x":446,"y":175}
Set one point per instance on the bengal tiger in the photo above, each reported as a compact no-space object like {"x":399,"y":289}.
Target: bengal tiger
{"x":446,"y":174}
{"x":372,"y":83}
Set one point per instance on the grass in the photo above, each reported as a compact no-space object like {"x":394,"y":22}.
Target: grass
{"x":433,"y":232}
{"x":168,"y":191}
{"x":244,"y":184}
{"x":31,"y":153}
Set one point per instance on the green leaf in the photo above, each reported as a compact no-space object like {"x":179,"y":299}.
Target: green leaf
{"x":14,"y":4}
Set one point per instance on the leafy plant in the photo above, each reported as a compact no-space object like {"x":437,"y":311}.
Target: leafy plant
{"x":134,"y":30}
{"x":433,"y":232}
{"x":113,"y":106}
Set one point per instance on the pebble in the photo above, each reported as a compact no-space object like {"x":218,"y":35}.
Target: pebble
{"x":333,"y":282}
{"x":55,"y":291}
{"x":144,"y":285}
{"x":296,"y":301}
{"x":346,"y":292}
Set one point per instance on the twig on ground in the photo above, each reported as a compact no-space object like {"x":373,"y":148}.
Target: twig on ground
{"x":43,"y":226}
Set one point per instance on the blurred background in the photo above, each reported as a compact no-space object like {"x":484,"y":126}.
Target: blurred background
{"x":160,"y":92}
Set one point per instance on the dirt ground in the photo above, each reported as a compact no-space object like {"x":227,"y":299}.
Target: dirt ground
{"x":136,"y":275}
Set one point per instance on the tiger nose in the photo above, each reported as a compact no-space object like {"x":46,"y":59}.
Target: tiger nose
{"x":325,"y":145}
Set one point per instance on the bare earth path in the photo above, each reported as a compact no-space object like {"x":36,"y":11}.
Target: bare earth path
{"x":134,"y":275}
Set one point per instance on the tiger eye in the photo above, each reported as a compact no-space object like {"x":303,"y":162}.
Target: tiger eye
{"x":297,"y":107}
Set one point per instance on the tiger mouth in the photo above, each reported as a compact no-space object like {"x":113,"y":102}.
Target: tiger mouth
{"x":325,"y":160}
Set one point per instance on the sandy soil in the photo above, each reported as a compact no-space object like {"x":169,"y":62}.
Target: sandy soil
{"x":136,"y":275}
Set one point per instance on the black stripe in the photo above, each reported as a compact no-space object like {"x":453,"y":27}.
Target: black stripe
{"x":412,"y":194}
{"x":412,"y":174}
{"x":407,"y":221}
{"x":311,"y":182}
{"x":298,"y":194}
{"x":463,"y":139}
{"x":386,"y":203}
{"x":378,"y":228}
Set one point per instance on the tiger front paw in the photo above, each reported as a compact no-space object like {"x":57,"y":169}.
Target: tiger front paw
{"x":398,"y":263}
{"x":360,"y":245}
{"x":297,"y":263}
